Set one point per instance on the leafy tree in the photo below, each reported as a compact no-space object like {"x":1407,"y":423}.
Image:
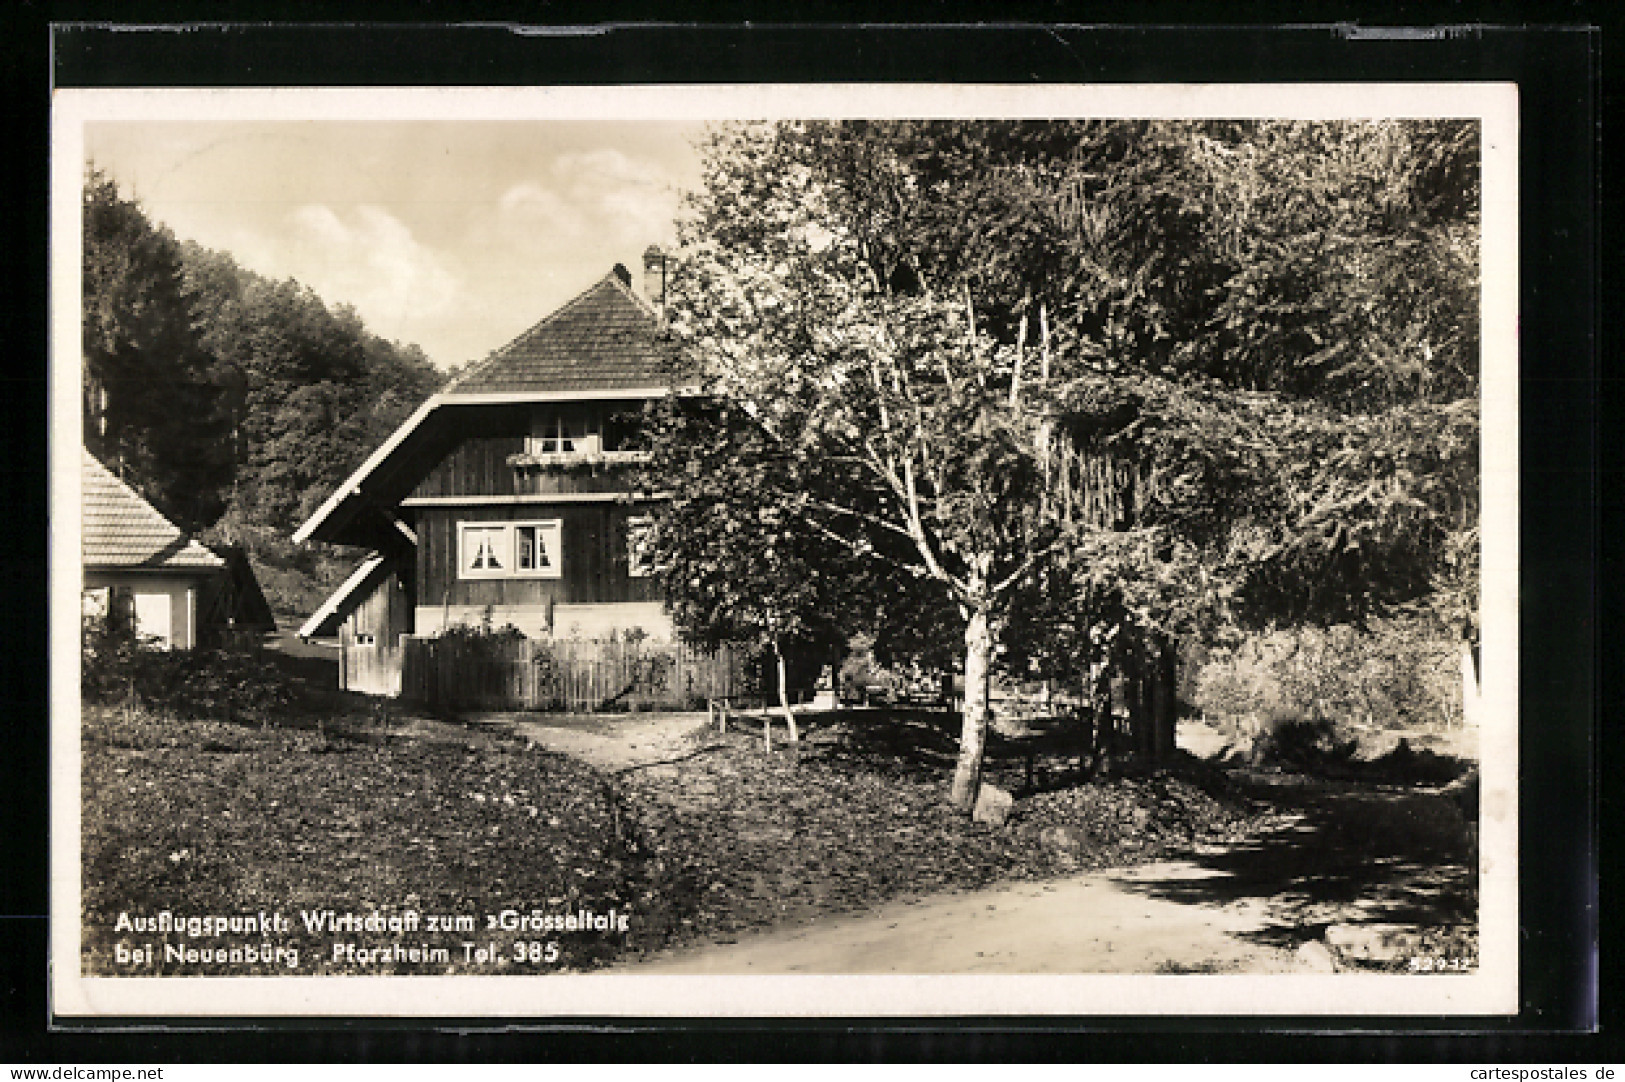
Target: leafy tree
{"x":1103,"y":384}
{"x":312,"y":392}
{"x":1350,"y":254}
{"x":153,"y":397}
{"x":819,"y":314}
{"x":229,"y":400}
{"x":735,"y":560}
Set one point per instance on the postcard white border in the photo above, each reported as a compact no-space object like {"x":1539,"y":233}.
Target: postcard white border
{"x":1489,"y":991}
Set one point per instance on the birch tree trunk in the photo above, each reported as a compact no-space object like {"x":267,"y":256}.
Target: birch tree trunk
{"x":784,"y":695}
{"x":973,"y":733}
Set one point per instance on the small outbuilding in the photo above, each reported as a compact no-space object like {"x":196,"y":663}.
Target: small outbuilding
{"x":141,"y":566}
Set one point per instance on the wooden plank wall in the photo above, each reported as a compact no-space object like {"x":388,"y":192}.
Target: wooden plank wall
{"x":386,"y":612}
{"x":478,"y":466}
{"x":594,"y":560}
{"x":372,"y":669}
{"x":478,"y":463}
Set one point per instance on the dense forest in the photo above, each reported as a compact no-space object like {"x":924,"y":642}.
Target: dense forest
{"x":232,"y":402}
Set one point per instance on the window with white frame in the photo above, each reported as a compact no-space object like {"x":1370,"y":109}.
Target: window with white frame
{"x":639,"y":555}
{"x":509,"y":550}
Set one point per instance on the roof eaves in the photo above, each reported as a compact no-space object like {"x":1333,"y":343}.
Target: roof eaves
{"x":573,"y":394}
{"x":183,"y":553}
{"x":311,"y":628}
{"x":352,"y":484}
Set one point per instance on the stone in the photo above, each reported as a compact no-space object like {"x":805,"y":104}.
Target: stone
{"x":992,"y":805}
{"x":1315,"y":956}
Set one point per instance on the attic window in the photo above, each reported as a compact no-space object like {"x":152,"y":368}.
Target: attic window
{"x":556,"y":434}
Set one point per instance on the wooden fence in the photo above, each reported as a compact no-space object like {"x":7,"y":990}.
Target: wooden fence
{"x":528,"y":674}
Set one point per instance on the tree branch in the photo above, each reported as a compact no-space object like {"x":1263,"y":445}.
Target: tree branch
{"x":873,"y":520}
{"x":1021,"y":352}
{"x":917,"y":531}
{"x":970,"y":331}
{"x":860,"y":549}
{"x":886,"y":469}
{"x":1028,"y":562}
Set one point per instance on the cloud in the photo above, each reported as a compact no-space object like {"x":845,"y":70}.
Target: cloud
{"x":358,"y":255}
{"x":364,"y":257}
{"x":532,"y":205}
{"x":600,"y":196}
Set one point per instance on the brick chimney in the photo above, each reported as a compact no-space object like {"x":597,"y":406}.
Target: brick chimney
{"x":654,"y":276}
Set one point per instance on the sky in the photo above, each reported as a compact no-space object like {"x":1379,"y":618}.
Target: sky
{"x":456,"y":219}
{"x":454,"y":235}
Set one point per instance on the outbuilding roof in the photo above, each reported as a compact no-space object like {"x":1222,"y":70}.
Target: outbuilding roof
{"x":607,"y":338}
{"x":325,"y":621}
{"x":120,"y":529}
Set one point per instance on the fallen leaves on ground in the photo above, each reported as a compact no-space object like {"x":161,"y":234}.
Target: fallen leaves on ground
{"x":741,"y":840}
{"x":206,"y":818}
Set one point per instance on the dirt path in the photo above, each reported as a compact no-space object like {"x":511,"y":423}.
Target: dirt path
{"x":1340,"y":857}
{"x":613,"y":742}
{"x":1296,"y":900}
{"x":1088,"y":924}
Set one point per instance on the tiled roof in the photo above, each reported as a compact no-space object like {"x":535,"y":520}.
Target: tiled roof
{"x":120,"y":529}
{"x":607,"y":338}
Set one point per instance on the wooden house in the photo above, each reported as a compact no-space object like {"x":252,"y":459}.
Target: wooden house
{"x":505,"y":498}
{"x":139,"y":566}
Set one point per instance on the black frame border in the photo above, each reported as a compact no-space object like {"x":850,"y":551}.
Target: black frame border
{"x":1563,"y":516}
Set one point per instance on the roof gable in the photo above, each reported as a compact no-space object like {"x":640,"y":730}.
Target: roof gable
{"x":606,"y":344}
{"x":120,"y":529}
{"x":607,"y":338}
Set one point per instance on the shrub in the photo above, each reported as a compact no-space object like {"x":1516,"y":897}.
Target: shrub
{"x":1400,"y":673}
{"x":109,"y":658}
{"x":482,"y":640}
{"x":226,"y":683}
{"x":1406,"y":765}
{"x":1316,"y":747}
